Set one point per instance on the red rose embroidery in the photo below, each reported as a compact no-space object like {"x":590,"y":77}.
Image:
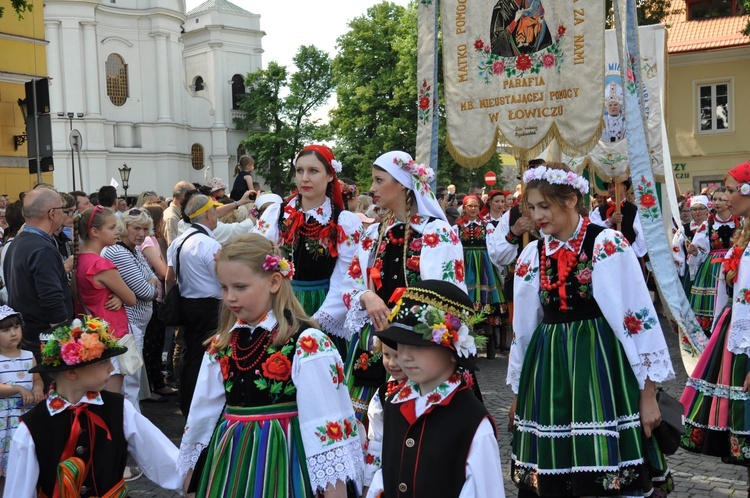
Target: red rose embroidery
{"x":610,"y":248}
{"x":416,"y":219}
{"x":382,"y":246}
{"x":675,"y":249}
{"x":348,"y":429}
{"x":347,"y":300}
{"x":747,"y":296}
{"x":355,"y":270}
{"x":478,"y":45}
{"x":697,"y":436}
{"x":405,"y":392}
{"x":333,"y":431}
{"x":340,"y":373}
{"x":92,"y":395}
{"x":561,"y":30}
{"x":434,"y":398}
{"x":308,"y":344}
{"x":369,"y":459}
{"x":415,"y":244}
{"x":364,"y":361}
{"x":522,"y":270}
{"x":459,"y":267}
{"x":413,"y":263}
{"x":633,"y":324}
{"x":277,"y":367}
{"x":523,"y":62}
{"x":431,"y":239}
{"x":648,"y":200}
{"x":424,"y":103}
{"x":224,"y":364}
{"x":454,"y":238}
{"x":366,"y":243}
{"x":584,"y":276}
{"x":56,"y":403}
{"x":355,"y":237}
{"x":734,"y":446}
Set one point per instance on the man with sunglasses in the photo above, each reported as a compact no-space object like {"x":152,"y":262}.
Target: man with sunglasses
{"x":34,"y":272}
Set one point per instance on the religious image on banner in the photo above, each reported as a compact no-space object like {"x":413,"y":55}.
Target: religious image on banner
{"x":522,"y":72}
{"x":518,"y":27}
{"x":614,"y":113}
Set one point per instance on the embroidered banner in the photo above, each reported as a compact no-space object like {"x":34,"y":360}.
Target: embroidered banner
{"x":427,"y":45}
{"x":522,"y":72}
{"x":692,"y":338}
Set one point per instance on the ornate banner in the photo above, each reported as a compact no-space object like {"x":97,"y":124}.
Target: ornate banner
{"x":427,"y":125}
{"x":692,"y":338}
{"x":523,"y":72}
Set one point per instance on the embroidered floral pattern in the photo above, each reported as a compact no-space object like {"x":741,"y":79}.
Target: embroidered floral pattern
{"x":337,"y":373}
{"x":647,"y":199}
{"x":276,"y":372}
{"x":336,"y":430}
{"x":491,"y":65}
{"x":637,"y":321}
{"x":424,"y":112}
{"x":311,"y":344}
{"x":743,"y":296}
{"x":609,"y":247}
{"x":525,"y":271}
{"x":366,"y":360}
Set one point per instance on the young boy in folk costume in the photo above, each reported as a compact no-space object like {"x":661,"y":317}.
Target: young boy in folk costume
{"x":77,"y":442}
{"x":438,"y":439}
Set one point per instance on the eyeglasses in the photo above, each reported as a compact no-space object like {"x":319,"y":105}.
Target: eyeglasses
{"x":60,"y":208}
{"x":472,"y":205}
{"x":70,"y":211}
{"x":695,"y":209}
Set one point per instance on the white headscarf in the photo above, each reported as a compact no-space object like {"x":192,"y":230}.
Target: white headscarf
{"x":392,"y":163}
{"x":699,"y":199}
{"x":266,"y":198}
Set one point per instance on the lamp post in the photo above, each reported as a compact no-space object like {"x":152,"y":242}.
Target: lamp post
{"x":75,"y":142}
{"x":125,"y":177}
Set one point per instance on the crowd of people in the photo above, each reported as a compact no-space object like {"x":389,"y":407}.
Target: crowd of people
{"x":322,"y":342}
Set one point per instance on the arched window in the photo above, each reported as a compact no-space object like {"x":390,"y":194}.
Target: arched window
{"x":238,"y":90}
{"x":117,"y":79}
{"x":196,"y":151}
{"x":198,"y":84}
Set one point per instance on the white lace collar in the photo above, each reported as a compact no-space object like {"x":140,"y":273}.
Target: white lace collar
{"x":552,"y":245}
{"x":321,"y":213}
{"x":268,"y":322}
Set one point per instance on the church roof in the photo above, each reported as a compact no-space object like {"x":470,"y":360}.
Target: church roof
{"x":220,"y":5}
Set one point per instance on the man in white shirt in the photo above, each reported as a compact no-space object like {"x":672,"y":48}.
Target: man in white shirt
{"x":199,"y":289}
{"x":173,"y":213}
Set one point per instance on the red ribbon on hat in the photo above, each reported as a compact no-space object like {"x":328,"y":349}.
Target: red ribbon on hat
{"x":327,"y":154}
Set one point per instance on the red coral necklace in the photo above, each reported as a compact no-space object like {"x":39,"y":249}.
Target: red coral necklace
{"x":261,"y":344}
{"x":563,"y":270}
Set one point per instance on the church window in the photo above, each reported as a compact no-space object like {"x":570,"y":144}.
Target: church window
{"x":196,"y":151}
{"x":117,"y":79}
{"x":238,"y":90}
{"x":198,"y":84}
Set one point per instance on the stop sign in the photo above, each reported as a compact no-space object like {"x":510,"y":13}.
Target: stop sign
{"x":490,"y":178}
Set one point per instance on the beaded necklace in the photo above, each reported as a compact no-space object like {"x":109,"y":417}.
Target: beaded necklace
{"x":563,"y":270}
{"x":262,"y":343}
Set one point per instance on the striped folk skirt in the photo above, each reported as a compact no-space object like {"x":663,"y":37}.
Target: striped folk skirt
{"x":256,"y":453}
{"x":717,"y":412}
{"x":361,"y":367}
{"x":703,"y":292}
{"x":311,"y":295}
{"x":483,"y":281}
{"x":577,"y":427}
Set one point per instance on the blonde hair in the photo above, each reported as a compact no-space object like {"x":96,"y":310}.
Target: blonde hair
{"x":127,"y":219}
{"x":251,"y":250}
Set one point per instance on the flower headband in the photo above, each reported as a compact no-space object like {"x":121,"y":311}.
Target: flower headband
{"x":557,"y":177}
{"x":423,"y":173}
{"x":80,"y":342}
{"x":279,"y":264}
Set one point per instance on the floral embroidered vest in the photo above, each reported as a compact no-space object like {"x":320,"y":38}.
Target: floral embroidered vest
{"x":389,"y":259}
{"x":720,"y":239}
{"x":263,"y":378}
{"x":311,"y":257}
{"x":473,"y":236}
{"x":578,"y":288}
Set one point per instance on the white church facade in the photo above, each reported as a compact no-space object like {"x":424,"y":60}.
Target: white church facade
{"x":147,"y":85}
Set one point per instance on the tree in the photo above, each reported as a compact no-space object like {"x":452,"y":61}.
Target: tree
{"x":19,"y":6}
{"x":375,"y":73}
{"x":649,"y":12}
{"x":277,"y":113}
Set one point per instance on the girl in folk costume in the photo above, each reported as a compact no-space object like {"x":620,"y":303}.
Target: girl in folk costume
{"x":483,"y":281}
{"x":716,"y":398}
{"x":318,"y":235}
{"x":681,"y":239}
{"x":415,"y":242}
{"x":275,"y":383}
{"x":586,"y":353}
{"x":706,"y":252}
{"x":495,"y":207}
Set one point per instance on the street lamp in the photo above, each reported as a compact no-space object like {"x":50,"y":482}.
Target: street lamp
{"x":75,"y":142}
{"x":125,"y":177}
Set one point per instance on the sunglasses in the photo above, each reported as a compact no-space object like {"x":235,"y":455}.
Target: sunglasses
{"x":138,"y":212}
{"x":97,"y":209}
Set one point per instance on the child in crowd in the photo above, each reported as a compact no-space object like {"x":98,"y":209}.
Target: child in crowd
{"x":374,"y":444}
{"x":77,"y":442}
{"x":438,"y":438}
{"x":100,"y":290}
{"x":244,"y":178}
{"x":19,"y":388}
{"x":275,"y":383}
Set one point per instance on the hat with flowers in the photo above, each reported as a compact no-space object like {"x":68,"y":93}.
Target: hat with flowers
{"x":434,"y":313}
{"x":76,"y":344}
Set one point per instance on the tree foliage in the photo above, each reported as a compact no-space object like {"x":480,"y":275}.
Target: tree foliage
{"x":375,"y":73}
{"x":649,"y":12}
{"x":277,"y":113}
{"x":19,"y":6}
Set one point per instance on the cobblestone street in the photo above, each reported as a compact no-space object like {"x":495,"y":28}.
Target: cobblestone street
{"x":695,"y":476}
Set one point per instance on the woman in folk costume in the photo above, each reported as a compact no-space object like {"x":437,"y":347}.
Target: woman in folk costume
{"x":414,"y":243}
{"x":271,"y":413}
{"x":586,"y":353}
{"x":682,"y":237}
{"x":716,"y":398}
{"x":483,"y":281}
{"x":706,"y":252}
{"x":319,"y":236}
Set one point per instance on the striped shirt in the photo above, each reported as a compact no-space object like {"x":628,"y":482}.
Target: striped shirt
{"x":136,"y":273}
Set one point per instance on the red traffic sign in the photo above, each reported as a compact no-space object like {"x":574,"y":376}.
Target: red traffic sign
{"x":490,"y":178}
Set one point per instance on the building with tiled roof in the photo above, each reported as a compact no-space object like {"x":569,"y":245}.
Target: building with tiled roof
{"x":709,"y":72}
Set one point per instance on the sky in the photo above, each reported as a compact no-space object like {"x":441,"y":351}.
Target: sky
{"x":291,"y":23}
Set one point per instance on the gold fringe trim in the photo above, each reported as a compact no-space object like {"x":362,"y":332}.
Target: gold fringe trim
{"x":522,"y":154}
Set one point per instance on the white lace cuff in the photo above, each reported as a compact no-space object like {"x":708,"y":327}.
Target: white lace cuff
{"x":513,"y":378}
{"x":656,"y":365}
{"x":739,"y":337}
{"x":331,"y":326}
{"x":189,"y":453}
{"x":357,"y":317}
{"x":344,"y":463}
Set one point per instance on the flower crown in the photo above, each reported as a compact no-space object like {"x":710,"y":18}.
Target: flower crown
{"x":443,"y":328}
{"x":423,"y":173}
{"x":81,"y":341}
{"x":279,"y":264}
{"x":557,"y":177}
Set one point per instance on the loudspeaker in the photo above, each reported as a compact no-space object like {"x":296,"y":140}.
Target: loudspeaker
{"x":41,"y":104}
{"x":47,"y":165}
{"x":44,"y":124}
